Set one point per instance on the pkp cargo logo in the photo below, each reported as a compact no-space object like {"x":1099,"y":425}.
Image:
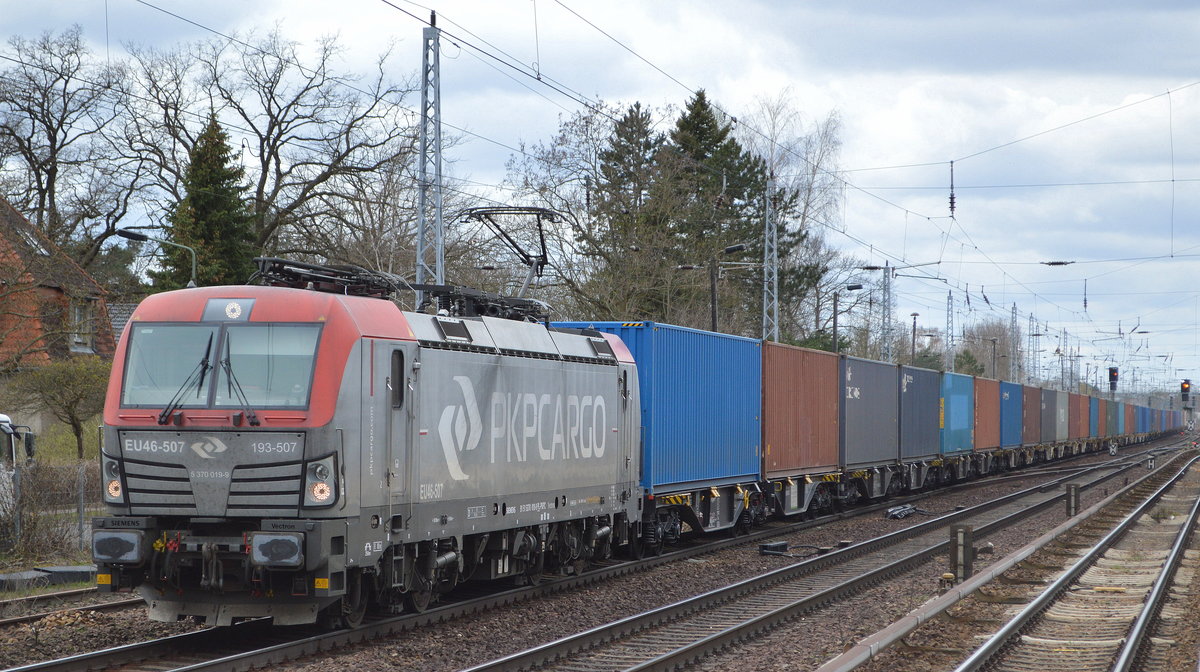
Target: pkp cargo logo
{"x":460,"y":428}
{"x":209,"y":447}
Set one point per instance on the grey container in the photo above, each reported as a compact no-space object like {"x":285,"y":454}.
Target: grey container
{"x":1062,"y":416}
{"x":920,"y":393}
{"x":1049,"y":415}
{"x":870,"y":407}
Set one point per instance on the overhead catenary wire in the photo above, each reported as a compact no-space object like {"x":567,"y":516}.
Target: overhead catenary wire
{"x":907,"y":211}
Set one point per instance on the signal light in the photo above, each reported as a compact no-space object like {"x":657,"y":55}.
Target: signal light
{"x":1185,"y":389}
{"x":1112,"y":379}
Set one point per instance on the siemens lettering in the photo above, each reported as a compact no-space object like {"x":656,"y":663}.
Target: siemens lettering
{"x":578,"y":428}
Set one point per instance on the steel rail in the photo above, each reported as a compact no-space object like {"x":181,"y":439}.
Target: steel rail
{"x":982,"y":655}
{"x":1140,"y":632}
{"x":873,"y":645}
{"x":283,"y":652}
{"x":681,"y":656}
{"x":98,"y":606}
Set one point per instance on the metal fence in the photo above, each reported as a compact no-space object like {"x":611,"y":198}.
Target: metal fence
{"x":46,"y":509}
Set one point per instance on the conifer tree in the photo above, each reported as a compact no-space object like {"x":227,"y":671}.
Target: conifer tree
{"x":212,"y":218}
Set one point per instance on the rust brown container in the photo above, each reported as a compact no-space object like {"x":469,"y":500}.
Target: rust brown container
{"x":1080,"y":414}
{"x":800,"y":410}
{"x":1130,"y":419}
{"x":987,"y":414}
{"x":1031,"y":432}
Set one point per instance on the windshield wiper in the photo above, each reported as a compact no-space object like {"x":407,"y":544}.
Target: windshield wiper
{"x":235,"y":388}
{"x":197,"y":375}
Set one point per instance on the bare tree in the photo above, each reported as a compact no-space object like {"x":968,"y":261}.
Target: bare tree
{"x":306,"y":125}
{"x":56,"y":105}
{"x":312,"y":138}
{"x":801,"y":157}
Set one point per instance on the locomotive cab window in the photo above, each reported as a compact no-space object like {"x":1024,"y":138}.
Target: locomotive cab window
{"x":273,"y":364}
{"x":208,"y":365}
{"x":164,"y":358}
{"x":396,"y":381}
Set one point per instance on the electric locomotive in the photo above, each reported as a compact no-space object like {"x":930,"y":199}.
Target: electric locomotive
{"x":305,"y":450}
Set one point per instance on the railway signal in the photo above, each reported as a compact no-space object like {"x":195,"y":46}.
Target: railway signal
{"x":1185,"y":389}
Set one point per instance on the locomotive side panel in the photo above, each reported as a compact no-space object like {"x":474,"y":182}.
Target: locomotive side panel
{"x":507,"y":441}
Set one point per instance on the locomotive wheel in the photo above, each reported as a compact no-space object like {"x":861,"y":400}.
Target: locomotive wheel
{"x":420,"y":596}
{"x":635,"y":549}
{"x":654,"y":546}
{"x":354,"y":603}
{"x":535,"y":570}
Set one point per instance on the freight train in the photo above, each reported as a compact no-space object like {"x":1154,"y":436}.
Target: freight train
{"x":306,"y":451}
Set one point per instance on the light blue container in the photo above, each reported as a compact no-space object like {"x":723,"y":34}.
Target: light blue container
{"x":1093,"y":417}
{"x":957,"y":413}
{"x":1012,"y":410}
{"x":701,"y":398}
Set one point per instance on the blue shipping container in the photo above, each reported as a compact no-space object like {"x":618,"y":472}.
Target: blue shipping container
{"x":701,"y":397}
{"x":1012,"y":408}
{"x":1120,"y":417}
{"x":957,"y":413}
{"x":920,"y":390}
{"x":1093,"y":417}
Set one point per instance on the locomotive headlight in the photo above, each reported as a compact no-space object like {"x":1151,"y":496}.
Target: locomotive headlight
{"x":320,"y":482}
{"x":114,"y":491}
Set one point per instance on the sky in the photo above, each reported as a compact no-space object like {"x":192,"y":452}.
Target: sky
{"x":1072,"y":127}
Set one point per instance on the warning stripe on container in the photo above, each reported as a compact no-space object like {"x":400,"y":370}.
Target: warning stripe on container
{"x":631,"y":324}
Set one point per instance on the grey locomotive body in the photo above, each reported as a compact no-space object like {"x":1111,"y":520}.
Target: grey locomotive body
{"x":329,"y":454}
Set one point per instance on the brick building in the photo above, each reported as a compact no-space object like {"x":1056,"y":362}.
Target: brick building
{"x":50,"y":307}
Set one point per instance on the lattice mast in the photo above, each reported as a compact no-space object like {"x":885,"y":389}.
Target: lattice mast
{"x":949,"y":363}
{"x":431,"y":262}
{"x":1014,"y":347}
{"x":770,"y":308}
{"x":887,"y":312}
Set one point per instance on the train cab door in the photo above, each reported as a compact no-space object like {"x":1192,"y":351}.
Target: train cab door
{"x":402,"y":413}
{"x":630,"y":468}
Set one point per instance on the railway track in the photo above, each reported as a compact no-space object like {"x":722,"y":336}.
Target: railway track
{"x":1100,"y":613}
{"x":36,"y":607}
{"x":677,"y":635}
{"x":243,"y":647}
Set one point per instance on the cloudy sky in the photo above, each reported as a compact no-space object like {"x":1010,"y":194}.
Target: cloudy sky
{"x":1073,"y":127}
